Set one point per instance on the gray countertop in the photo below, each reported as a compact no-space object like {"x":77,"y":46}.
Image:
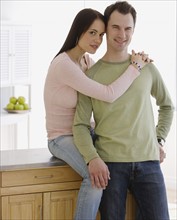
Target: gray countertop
{"x":27,"y":158}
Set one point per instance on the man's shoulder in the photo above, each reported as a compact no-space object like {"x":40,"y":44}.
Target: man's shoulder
{"x":151,"y":68}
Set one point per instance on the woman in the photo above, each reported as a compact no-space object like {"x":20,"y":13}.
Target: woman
{"x":65,"y":77}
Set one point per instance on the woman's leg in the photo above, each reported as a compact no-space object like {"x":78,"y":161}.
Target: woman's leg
{"x":88,"y":198}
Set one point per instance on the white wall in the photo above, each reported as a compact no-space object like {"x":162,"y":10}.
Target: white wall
{"x":155,"y":33}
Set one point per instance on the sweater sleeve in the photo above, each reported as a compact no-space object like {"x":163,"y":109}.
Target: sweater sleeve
{"x":81,"y":128}
{"x":71,"y":75}
{"x":163,"y":101}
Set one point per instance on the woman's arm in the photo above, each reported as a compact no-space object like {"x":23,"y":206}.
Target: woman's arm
{"x":72,"y":76}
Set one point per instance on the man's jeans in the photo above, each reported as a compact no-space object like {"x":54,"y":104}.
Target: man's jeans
{"x":145,"y":181}
{"x":89,"y":198}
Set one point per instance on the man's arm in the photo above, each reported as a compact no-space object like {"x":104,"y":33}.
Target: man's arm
{"x":163,"y":100}
{"x":166,"y":109}
{"x":98,"y":170}
{"x":81,"y":128}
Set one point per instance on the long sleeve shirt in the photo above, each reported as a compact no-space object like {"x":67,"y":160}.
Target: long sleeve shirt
{"x":63,"y":80}
{"x":126,"y":128}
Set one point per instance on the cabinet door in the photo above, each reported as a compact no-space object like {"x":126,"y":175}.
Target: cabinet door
{"x":130,"y":207}
{"x":22,"y":207}
{"x":59,"y":205}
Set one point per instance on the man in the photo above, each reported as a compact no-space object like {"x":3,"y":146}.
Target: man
{"x":126,"y":152}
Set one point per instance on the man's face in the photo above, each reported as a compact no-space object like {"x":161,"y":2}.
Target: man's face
{"x":119,"y":31}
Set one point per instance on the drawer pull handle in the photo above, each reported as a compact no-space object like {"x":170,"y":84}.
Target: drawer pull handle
{"x":43,"y":177}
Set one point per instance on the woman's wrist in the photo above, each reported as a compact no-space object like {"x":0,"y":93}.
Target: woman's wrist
{"x":133,"y":71}
{"x":136,"y":65}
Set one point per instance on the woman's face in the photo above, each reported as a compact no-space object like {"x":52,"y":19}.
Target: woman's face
{"x":93,"y":37}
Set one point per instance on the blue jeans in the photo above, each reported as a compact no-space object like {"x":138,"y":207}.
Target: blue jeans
{"x":145,"y":181}
{"x":88,"y":198}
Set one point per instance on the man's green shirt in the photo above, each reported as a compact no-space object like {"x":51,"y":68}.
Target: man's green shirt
{"x":126,"y":129}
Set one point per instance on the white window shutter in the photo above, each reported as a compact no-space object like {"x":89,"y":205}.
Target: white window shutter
{"x":5,"y":75}
{"x":22,"y":53}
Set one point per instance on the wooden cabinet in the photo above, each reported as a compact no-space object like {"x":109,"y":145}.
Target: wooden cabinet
{"x":39,"y":194}
{"x":22,"y":207}
{"x":57,"y":205}
{"x":36,"y":186}
{"x":60,"y":204}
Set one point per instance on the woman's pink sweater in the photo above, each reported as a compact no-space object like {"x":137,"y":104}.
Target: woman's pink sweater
{"x":63,"y":80}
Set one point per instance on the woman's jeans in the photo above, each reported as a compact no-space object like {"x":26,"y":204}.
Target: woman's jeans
{"x":88,"y":198}
{"x":145,"y":181}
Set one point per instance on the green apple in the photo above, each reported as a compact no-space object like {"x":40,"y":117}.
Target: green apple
{"x":19,"y":107}
{"x":21,"y":100}
{"x":13,"y":100}
{"x":10,"y":106}
{"x":26,"y":106}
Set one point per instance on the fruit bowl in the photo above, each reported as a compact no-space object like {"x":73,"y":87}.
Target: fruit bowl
{"x":17,"y":105}
{"x":17,"y":111}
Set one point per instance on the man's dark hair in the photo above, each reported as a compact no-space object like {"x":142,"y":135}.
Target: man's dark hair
{"x":122,"y":7}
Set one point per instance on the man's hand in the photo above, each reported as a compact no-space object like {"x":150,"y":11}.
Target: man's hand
{"x":162,"y":154}
{"x":99,"y":173}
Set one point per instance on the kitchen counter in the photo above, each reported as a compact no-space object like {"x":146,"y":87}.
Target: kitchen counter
{"x":28,"y":158}
{"x":34,"y":183}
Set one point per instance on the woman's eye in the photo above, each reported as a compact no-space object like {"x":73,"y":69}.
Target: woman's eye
{"x":92,"y":33}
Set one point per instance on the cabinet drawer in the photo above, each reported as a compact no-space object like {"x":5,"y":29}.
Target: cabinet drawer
{"x":38,"y":176}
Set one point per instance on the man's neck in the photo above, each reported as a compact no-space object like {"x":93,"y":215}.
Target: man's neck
{"x":116,"y":57}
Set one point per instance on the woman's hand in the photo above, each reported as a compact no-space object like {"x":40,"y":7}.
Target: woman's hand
{"x":139,"y":60}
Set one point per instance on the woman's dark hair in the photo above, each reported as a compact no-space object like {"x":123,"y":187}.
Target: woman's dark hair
{"x":122,"y":7}
{"x":80,"y":25}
